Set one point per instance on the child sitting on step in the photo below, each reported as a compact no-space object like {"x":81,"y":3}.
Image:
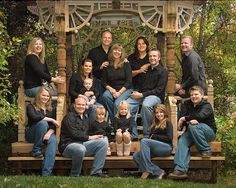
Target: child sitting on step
{"x":100,"y":126}
{"x":123,"y":123}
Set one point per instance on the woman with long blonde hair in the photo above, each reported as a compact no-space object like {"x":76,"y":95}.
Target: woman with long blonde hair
{"x":117,"y":80}
{"x":36,"y":69}
{"x":41,"y":129}
{"x":159,"y":144}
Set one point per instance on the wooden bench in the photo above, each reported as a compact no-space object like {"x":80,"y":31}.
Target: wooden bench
{"x":21,"y":151}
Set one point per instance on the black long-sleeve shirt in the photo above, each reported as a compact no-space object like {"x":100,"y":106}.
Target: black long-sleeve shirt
{"x":193,"y":71}
{"x":76,"y":85}
{"x":74,"y":128}
{"x":163,"y":135}
{"x":154,"y":82}
{"x":117,"y":78}
{"x":35,"y":72}
{"x":98,"y":56}
{"x":35,"y":115}
{"x":103,"y":128}
{"x":123,"y":123}
{"x":93,"y":88}
{"x":202,"y":112}
{"x":136,"y":64}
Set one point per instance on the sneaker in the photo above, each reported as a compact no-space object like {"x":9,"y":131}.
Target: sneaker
{"x":37,"y":154}
{"x":206,"y":154}
{"x":108,"y":151}
{"x":161,"y":176}
{"x":177,"y":175}
{"x":100,"y":175}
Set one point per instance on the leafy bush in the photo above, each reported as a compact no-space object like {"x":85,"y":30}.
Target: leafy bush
{"x":226,"y":134}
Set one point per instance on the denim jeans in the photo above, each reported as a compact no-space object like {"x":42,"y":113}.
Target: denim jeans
{"x":33,"y":91}
{"x":150,"y":148}
{"x":35,"y":135}
{"x":77,"y":151}
{"x":92,"y":112}
{"x":111,"y":104}
{"x":198,"y":135}
{"x":146,"y":112}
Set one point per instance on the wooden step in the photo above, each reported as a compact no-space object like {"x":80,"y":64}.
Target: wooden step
{"x":26,"y":148}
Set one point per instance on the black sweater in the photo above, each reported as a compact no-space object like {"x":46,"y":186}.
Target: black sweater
{"x":203,"y":113}
{"x":163,"y":135}
{"x":35,"y":72}
{"x":117,"y":78}
{"x":102,"y":128}
{"x":123,"y":123}
{"x":35,"y":116}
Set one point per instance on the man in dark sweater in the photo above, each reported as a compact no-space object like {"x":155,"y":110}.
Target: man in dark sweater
{"x":76,"y":143}
{"x":152,"y":92}
{"x":198,"y":116}
{"x":193,"y":69}
{"x":99,"y":57}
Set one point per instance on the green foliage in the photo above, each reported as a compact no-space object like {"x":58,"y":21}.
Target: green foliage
{"x":226,"y":134}
{"x":214,"y":31}
{"x":7,"y":48}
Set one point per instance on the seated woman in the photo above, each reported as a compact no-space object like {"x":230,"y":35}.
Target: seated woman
{"x":123,"y":124}
{"x":41,"y":129}
{"x":76,"y":87}
{"x":36,"y":69}
{"x":117,"y":79}
{"x":159,"y":144}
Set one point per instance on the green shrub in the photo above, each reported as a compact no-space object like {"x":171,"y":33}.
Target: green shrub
{"x":226,"y":134}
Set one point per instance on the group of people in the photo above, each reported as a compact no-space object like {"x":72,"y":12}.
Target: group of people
{"x":109,"y":81}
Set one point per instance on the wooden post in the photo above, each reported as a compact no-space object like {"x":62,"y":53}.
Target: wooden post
{"x":170,"y":53}
{"x":61,"y":43}
{"x":69,"y":55}
{"x":61,"y":58}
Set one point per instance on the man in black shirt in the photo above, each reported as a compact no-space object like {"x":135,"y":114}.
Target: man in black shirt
{"x":152,"y":92}
{"x":76,"y":143}
{"x":193,"y":69}
{"x":99,"y":57}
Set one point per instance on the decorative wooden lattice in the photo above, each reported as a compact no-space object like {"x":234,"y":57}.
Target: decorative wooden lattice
{"x":153,"y":14}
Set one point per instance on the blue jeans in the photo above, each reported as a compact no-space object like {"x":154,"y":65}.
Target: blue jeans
{"x":35,"y":135}
{"x":77,"y":151}
{"x":198,"y":135}
{"x":111,"y":104}
{"x":33,"y":91}
{"x":146,"y":112}
{"x":150,"y":148}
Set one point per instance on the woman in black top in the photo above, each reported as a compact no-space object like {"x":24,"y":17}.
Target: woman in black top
{"x":36,"y":69}
{"x":117,"y":80}
{"x":41,"y":129}
{"x":77,"y":81}
{"x":158,"y":144}
{"x":139,"y":61}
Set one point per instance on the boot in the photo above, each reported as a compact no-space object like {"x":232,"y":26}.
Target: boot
{"x":127,"y":149}
{"x":119,"y":149}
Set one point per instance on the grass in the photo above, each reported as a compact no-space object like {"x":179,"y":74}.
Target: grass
{"x":93,"y":182}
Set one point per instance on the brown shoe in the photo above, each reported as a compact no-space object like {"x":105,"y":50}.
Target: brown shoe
{"x":177,"y":175}
{"x":206,"y":154}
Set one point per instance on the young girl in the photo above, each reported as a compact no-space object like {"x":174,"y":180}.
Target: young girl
{"x":123,"y":124}
{"x":158,"y":144}
{"x":100,"y":126}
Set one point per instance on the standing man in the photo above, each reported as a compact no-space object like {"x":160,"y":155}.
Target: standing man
{"x":198,"y":115}
{"x":99,"y":57}
{"x":193,"y":69}
{"x":152,"y":92}
{"x":76,"y":143}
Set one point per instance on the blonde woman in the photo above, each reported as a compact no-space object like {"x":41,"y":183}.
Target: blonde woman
{"x":159,"y":144}
{"x":36,"y":69}
{"x":123,"y":124}
{"x":117,"y":80}
{"x":41,"y":129}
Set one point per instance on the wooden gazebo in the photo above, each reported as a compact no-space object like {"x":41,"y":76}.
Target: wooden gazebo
{"x":66,"y":17}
